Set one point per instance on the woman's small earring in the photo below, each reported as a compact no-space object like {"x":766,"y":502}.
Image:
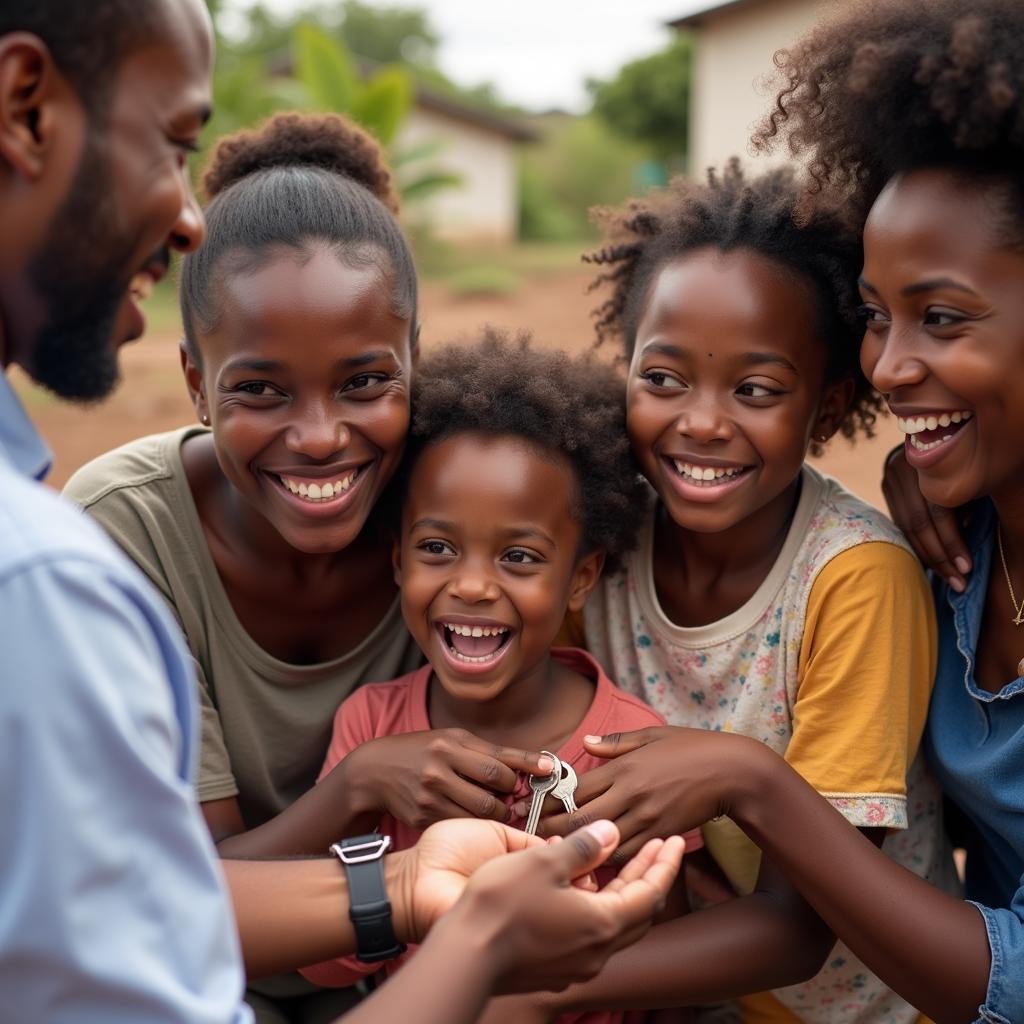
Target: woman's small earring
{"x":205,"y":420}
{"x":822,"y":438}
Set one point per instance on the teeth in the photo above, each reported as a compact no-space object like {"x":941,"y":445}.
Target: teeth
{"x":703,"y":474}
{"x":319,"y":492}
{"x":476,"y":630}
{"x":914,"y":425}
{"x":927,"y":446}
{"x":466,"y":657}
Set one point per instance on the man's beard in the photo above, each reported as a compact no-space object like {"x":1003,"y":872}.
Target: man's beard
{"x":82,"y":274}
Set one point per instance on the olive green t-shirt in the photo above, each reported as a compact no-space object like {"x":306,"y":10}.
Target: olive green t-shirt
{"x":265,"y":723}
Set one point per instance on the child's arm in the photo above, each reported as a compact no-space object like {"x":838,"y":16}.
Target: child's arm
{"x":417,"y":778}
{"x":928,"y":946}
{"x":768,"y":939}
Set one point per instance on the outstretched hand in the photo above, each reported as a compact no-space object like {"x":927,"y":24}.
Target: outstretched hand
{"x":526,"y":901}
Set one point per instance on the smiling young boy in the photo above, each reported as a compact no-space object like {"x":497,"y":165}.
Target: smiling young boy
{"x":518,"y":487}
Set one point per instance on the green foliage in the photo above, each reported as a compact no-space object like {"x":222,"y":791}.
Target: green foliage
{"x":250,"y":84}
{"x":649,"y":99}
{"x":484,"y":282}
{"x":383,"y":102}
{"x":579,"y":164}
{"x":323,"y":66}
{"x":389,"y":35}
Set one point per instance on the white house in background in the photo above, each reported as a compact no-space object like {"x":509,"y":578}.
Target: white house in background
{"x":734,"y":42}
{"x":480,"y":148}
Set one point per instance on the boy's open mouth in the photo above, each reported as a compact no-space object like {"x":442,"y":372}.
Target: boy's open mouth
{"x":930,"y":431}
{"x":475,"y":645}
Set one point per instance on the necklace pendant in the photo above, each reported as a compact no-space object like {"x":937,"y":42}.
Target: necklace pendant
{"x":1019,"y":618}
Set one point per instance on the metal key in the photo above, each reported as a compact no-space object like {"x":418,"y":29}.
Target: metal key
{"x":565,"y":790}
{"x":541,"y":786}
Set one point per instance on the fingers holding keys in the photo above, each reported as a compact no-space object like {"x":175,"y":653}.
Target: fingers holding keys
{"x":661,"y":781}
{"x":933,"y":531}
{"x":424,"y":777}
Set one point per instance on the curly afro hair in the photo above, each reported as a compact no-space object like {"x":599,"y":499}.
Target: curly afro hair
{"x":728,"y":213}
{"x":570,"y":406}
{"x":898,"y":86}
{"x":297,"y":181}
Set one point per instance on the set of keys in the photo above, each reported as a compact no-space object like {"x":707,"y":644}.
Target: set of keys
{"x":561,"y":783}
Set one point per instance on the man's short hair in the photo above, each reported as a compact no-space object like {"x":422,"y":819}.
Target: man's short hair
{"x":88,"y":39}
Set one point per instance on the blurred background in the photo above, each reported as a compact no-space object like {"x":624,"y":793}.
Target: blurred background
{"x":504,"y":125}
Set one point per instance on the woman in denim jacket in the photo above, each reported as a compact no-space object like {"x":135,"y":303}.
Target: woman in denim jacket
{"x":913,"y":112}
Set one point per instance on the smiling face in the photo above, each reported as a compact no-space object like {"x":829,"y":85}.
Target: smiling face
{"x":306,"y":383}
{"x":944,"y":301}
{"x":489,"y":560}
{"x":727,"y":386}
{"x":129,"y":203}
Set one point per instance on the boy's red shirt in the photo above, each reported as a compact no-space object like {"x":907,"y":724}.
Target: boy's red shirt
{"x":400,"y":706}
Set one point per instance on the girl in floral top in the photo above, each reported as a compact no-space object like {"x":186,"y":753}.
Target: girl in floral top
{"x":763,"y":599}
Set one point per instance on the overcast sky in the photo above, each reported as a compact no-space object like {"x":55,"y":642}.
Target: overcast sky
{"x":539,"y":53}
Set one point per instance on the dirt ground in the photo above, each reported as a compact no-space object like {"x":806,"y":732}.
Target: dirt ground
{"x":152,"y":397}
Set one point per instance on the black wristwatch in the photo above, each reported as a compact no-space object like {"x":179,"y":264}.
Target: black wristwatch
{"x":369,"y":907}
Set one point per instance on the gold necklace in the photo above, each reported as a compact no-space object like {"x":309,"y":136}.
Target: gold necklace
{"x":1018,"y":609}
{"x":1018,"y":618}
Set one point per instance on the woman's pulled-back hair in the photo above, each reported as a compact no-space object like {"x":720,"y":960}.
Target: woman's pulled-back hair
{"x":572,"y":407}
{"x":899,"y":85}
{"x":729,"y":213}
{"x":297,"y":182}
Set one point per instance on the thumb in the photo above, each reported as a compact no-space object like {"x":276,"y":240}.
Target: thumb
{"x":616,"y":743}
{"x":583,"y":850}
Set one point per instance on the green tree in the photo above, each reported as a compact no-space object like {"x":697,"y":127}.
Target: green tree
{"x":649,"y":99}
{"x":389,"y":35}
{"x":578,"y":164}
{"x":305,"y":65}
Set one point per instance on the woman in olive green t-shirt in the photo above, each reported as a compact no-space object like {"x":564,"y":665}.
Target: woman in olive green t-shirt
{"x":264,"y":528}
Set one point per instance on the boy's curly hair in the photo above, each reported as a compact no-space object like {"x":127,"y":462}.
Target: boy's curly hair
{"x":897,"y":86}
{"x":728,"y":213}
{"x":570,"y":406}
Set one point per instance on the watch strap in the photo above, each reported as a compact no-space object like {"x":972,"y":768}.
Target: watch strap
{"x":369,"y":907}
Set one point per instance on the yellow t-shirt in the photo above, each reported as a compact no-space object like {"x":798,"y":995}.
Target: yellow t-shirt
{"x":830,"y":663}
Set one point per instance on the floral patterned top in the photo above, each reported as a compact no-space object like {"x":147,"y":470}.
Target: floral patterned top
{"x":830,"y":663}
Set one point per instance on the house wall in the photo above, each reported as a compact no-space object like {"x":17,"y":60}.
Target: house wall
{"x":485,"y":207}
{"x":733,"y":57}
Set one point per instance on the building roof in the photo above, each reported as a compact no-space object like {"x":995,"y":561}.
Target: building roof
{"x":696,"y":18}
{"x":459,"y":110}
{"x":428,"y":97}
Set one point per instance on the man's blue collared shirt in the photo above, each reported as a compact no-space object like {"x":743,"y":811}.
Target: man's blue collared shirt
{"x":975,"y":742}
{"x":112,"y":904}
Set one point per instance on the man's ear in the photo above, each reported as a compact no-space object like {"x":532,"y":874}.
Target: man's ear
{"x":31,"y":89}
{"x":194,"y":381}
{"x":584,"y":579}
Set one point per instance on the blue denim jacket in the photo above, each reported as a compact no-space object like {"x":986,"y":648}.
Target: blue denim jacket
{"x":975,"y":742}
